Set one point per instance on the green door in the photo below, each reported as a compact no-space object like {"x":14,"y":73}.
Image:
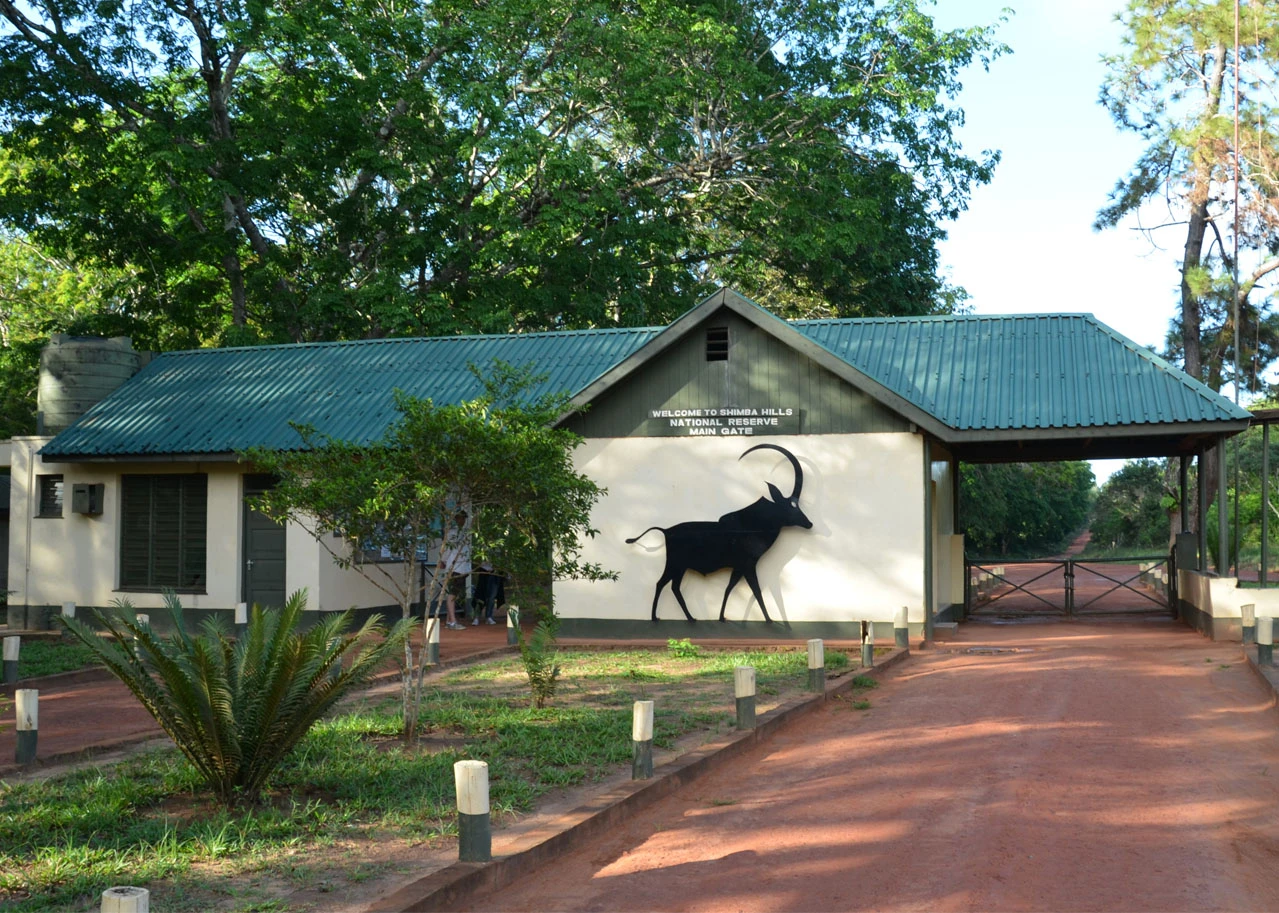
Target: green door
{"x":263,"y":550}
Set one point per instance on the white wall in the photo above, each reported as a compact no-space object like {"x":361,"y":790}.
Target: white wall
{"x":863,"y":558}
{"x":1221,"y":597}
{"x":75,"y":558}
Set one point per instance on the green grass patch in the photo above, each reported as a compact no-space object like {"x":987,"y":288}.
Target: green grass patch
{"x":145,"y":820}
{"x":49,"y":657}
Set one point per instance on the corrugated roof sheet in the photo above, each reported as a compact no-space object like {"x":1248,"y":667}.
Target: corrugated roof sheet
{"x":1039,"y":371}
{"x":969,"y":372}
{"x":219,"y":401}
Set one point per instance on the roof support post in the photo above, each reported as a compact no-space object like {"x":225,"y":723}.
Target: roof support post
{"x":1223,"y":527}
{"x":928,"y":542}
{"x":1201,"y":482}
{"x":954,"y":496}
{"x":1183,"y":477}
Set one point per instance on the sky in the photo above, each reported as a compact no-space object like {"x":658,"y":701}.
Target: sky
{"x":1026,"y":243}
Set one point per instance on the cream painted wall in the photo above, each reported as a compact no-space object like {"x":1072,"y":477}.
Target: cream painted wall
{"x":74,"y":558}
{"x":863,"y":558}
{"x":1221,"y":597}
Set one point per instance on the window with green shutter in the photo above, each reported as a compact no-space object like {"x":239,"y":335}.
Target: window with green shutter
{"x":49,"y":489}
{"x":163,"y":532}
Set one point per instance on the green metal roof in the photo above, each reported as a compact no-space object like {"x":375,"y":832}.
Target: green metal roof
{"x":962,"y":376}
{"x":219,"y":401}
{"x":1020,"y":372}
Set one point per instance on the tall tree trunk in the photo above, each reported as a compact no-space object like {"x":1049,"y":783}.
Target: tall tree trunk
{"x":1191,"y":313}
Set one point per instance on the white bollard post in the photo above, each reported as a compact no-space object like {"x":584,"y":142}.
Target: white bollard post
{"x":744,"y":691}
{"x":901,"y":628}
{"x":1265,"y":640}
{"x":474,"y":829}
{"x":28,"y":712}
{"x":1248,"y":622}
{"x":816,"y":666}
{"x":145,"y":621}
{"x":433,"y":641}
{"x":868,"y":644}
{"x":126,"y":900}
{"x":512,"y":624}
{"x":12,"y":650}
{"x":642,"y":740}
{"x":241,"y":619}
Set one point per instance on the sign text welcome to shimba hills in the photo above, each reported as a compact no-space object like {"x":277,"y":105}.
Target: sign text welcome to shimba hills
{"x":724,"y":421}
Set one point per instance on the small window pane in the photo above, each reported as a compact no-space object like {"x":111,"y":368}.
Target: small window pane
{"x":50,"y":488}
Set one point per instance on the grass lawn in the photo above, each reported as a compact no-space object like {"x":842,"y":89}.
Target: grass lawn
{"x":49,"y":657}
{"x":352,"y":789}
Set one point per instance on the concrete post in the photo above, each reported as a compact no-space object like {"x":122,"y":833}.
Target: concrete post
{"x":744,"y":691}
{"x":145,"y":621}
{"x":433,"y":641}
{"x":1248,"y":621}
{"x":28,"y":712}
{"x":816,"y":666}
{"x":868,"y":644}
{"x":241,"y":619}
{"x":126,"y":900}
{"x":1265,"y":640}
{"x":512,"y":624}
{"x":12,"y":649}
{"x":642,"y":739}
{"x":474,"y":829}
{"x":901,"y":629}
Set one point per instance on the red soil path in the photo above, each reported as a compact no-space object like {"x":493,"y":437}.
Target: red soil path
{"x":93,"y":711}
{"x":1103,"y":766}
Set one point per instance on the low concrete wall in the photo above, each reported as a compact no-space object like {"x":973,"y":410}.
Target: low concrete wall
{"x":1210,"y":604}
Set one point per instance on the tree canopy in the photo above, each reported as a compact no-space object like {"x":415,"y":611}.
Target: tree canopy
{"x":1023,"y":510}
{"x":1173,"y":85}
{"x":321,"y":170}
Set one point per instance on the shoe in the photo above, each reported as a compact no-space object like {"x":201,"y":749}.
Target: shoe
{"x":454,"y":626}
{"x":474,"y":623}
{"x":488,"y":621}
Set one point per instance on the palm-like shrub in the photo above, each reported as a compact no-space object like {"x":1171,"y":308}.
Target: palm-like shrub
{"x":236,"y":707}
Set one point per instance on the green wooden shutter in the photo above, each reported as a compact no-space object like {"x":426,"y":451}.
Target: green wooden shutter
{"x":135,"y":531}
{"x":164,"y":531}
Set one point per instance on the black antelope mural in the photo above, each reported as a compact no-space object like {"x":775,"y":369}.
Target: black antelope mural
{"x":736,"y":540}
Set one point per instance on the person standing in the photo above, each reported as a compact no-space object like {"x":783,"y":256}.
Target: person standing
{"x":455,"y":556}
{"x":489,"y":592}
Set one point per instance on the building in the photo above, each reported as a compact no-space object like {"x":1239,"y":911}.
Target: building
{"x":876,"y":413}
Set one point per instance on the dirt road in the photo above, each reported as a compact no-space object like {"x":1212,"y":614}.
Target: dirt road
{"x":1104,"y":766}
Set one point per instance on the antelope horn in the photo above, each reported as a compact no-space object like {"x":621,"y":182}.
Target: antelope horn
{"x":799,"y":473}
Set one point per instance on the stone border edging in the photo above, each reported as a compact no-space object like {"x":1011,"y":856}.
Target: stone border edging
{"x":1269,"y":676}
{"x":463,"y":881}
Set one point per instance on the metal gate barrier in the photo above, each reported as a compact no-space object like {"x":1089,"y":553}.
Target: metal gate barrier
{"x":1146,"y":578}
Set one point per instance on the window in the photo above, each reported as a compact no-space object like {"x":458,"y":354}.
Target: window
{"x":50,"y":492}
{"x":163,"y":531}
{"x":717,"y":344}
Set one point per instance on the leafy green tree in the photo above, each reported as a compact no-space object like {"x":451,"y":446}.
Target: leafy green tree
{"x":321,"y":170}
{"x":236,"y":708}
{"x":1173,"y":85}
{"x":498,"y":457}
{"x":1132,"y":508}
{"x":1023,"y":509}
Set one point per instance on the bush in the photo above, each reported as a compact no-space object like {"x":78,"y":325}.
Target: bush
{"x":236,"y":708}
{"x":541,"y":660}
{"x":683,"y":649}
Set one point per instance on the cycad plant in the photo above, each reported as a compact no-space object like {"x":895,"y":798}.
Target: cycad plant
{"x":236,"y":707}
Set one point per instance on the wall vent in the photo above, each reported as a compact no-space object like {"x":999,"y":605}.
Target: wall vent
{"x":717,"y":344}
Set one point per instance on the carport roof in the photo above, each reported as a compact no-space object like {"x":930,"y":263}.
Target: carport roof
{"x":1050,"y":386}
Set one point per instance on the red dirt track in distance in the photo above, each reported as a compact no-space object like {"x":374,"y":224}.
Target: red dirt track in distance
{"x":1057,"y":766}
